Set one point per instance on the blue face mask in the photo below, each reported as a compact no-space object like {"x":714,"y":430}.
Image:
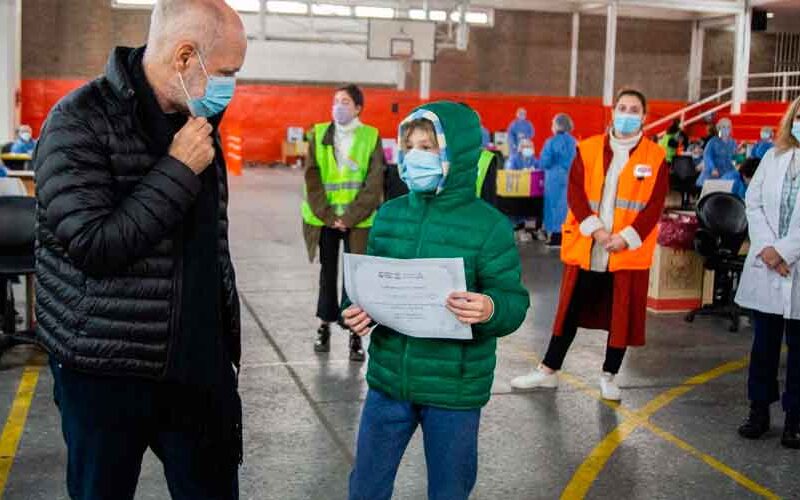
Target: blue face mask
{"x":796,"y":130}
{"x":724,"y":132}
{"x":766,"y":136}
{"x":626,"y":123}
{"x":218,"y":94}
{"x":342,"y":114}
{"x":422,"y":171}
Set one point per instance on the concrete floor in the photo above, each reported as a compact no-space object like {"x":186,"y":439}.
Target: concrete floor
{"x":302,"y":410}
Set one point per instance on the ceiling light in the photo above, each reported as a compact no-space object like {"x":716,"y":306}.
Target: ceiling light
{"x":285,"y":7}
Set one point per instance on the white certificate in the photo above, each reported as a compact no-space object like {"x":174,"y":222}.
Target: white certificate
{"x":408,"y":295}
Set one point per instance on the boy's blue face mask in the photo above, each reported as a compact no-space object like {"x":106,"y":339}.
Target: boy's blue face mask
{"x":217,"y":96}
{"x":422,"y":171}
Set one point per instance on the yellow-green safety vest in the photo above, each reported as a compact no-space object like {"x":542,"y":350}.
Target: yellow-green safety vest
{"x":342,"y":183}
{"x":483,"y":169}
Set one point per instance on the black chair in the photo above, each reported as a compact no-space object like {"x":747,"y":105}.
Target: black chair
{"x":722,"y":232}
{"x":17,"y":237}
{"x":684,"y":179}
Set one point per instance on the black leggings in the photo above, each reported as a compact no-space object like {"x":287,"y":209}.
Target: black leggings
{"x":589,"y":283}
{"x":328,"y":303}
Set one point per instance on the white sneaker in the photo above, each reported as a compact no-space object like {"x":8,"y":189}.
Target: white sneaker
{"x":535,"y":379}
{"x":609,"y":388}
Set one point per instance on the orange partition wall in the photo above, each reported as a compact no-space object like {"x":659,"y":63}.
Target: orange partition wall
{"x":262,"y":113}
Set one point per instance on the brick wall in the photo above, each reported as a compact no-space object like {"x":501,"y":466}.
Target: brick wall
{"x":525,"y":53}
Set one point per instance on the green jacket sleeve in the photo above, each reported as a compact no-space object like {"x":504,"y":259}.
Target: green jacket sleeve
{"x":500,"y":277}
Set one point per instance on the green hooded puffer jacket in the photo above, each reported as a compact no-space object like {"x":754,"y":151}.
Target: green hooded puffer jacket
{"x":452,"y":222}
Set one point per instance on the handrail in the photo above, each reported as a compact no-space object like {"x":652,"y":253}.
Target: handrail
{"x":682,"y":112}
{"x":755,"y":75}
{"x":709,"y":112}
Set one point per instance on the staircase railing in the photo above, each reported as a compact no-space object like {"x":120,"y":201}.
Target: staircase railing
{"x":787,"y":84}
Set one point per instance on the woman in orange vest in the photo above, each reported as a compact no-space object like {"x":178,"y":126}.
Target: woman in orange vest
{"x":617,"y":189}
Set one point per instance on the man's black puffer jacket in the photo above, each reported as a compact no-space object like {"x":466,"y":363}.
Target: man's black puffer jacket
{"x":109,"y":246}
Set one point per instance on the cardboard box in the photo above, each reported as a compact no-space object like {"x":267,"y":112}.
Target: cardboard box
{"x":514,"y":183}
{"x":676,"y":281}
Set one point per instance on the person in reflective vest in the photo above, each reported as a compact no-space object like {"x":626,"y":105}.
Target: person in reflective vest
{"x":486,"y":187}
{"x":343,"y":189}
{"x":617,"y":190}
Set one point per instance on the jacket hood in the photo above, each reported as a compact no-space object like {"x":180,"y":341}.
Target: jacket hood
{"x":458,"y":132}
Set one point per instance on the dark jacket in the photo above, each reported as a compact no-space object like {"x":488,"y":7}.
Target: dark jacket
{"x":110,"y":237}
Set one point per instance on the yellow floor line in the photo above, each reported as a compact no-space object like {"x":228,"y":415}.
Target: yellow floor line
{"x":15,"y":425}
{"x":595,"y":462}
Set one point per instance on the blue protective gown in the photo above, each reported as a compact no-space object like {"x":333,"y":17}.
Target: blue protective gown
{"x":739,"y":187}
{"x":519,"y":162}
{"x":761,"y":148}
{"x":718,"y":156}
{"x":518,"y":130}
{"x":556,"y":159}
{"x":485,"y":137}
{"x":21,"y":147}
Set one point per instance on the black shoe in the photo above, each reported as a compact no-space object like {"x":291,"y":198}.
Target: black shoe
{"x":555,"y":241}
{"x":791,"y":432}
{"x":323,"y":343}
{"x":356,"y":351}
{"x":757,"y":423}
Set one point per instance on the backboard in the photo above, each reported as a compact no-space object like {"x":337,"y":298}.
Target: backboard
{"x":396,"y":39}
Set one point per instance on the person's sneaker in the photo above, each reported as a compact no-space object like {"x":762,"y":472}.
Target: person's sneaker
{"x":791,"y":432}
{"x":356,"y":350}
{"x":323,"y":343}
{"x":535,"y":379}
{"x":554,"y":241}
{"x":609,"y":388}
{"x":524,"y":236}
{"x":757,"y":423}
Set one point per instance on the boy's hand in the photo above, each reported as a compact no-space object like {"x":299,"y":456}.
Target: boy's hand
{"x":470,"y":308}
{"x":357,"y":320}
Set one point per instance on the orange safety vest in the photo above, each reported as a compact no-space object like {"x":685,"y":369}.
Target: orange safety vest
{"x":636,"y":184}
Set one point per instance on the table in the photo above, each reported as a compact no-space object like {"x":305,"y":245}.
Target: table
{"x":28,"y":179}
{"x":293,"y":149}
{"x":15,"y":161}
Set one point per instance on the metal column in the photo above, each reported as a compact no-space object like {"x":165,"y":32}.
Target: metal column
{"x":10,"y":66}
{"x":696,"y":62}
{"x":573,"y":62}
{"x":611,"y":53}
{"x":741,"y":61}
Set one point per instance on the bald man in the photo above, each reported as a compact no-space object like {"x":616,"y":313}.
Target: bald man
{"x":136,"y":299}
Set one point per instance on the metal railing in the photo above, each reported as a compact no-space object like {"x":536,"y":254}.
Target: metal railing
{"x":787,"y":80}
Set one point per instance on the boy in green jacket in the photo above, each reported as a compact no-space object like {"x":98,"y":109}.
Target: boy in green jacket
{"x":440,"y":385}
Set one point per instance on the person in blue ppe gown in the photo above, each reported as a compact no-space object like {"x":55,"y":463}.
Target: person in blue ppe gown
{"x":718,"y":158}
{"x":556,"y":159}
{"x":24,"y":143}
{"x":763,"y":145}
{"x":524,"y":157}
{"x":519,"y":129}
{"x":741,"y":178}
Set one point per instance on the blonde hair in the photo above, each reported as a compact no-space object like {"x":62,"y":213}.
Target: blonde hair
{"x":786,"y":140}
{"x":419,"y":124}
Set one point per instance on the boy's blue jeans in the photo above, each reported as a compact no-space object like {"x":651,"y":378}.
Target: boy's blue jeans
{"x":451,"y":448}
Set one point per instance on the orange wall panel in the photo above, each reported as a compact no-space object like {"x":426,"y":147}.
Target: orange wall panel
{"x":263,"y":112}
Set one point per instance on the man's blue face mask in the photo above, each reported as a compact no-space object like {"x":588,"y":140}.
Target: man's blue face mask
{"x":217,"y":96}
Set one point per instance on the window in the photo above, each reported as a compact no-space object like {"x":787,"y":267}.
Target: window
{"x":379,"y":12}
{"x":286,"y":7}
{"x":327,"y":9}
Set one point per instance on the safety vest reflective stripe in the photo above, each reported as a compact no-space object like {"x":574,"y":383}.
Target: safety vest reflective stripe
{"x":636,"y":206}
{"x":342,"y":183}
{"x":484,"y":163}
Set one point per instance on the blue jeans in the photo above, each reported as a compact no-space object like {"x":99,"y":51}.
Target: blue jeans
{"x":762,"y":383}
{"x":451,"y":448}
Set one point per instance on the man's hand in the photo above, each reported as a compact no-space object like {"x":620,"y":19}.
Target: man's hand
{"x":715,"y":173}
{"x":470,"y":308}
{"x":357,"y":320}
{"x":771,"y":257}
{"x":193,"y":145}
{"x":616,"y":244}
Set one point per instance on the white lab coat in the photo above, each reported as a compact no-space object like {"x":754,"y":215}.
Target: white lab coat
{"x":762,"y":289}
